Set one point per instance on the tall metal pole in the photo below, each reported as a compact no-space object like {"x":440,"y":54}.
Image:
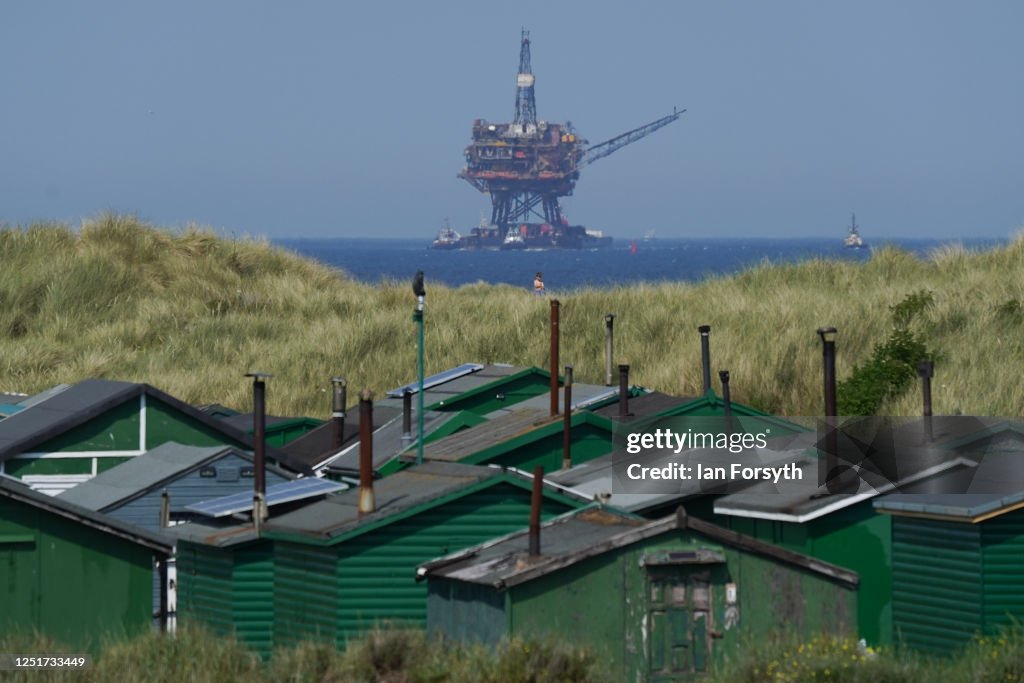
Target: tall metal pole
{"x":828,"y":356}
{"x":609,"y":321}
{"x":421,"y":297}
{"x":554,"y":357}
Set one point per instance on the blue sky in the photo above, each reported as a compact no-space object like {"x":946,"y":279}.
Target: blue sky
{"x":349,"y":119}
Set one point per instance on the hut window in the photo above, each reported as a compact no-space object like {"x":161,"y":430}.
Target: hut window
{"x":227,"y":474}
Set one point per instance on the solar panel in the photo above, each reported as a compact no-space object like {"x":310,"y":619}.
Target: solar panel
{"x":597,"y":398}
{"x":439,"y":378}
{"x":278,"y":493}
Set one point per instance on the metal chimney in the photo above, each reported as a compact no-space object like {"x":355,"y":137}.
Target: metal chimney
{"x":567,"y":422}
{"x":259,"y":432}
{"x":535,"y":503}
{"x":828,"y":355}
{"x":406,"y":417}
{"x":339,"y":398}
{"x":624,"y":391}
{"x":705,"y":355}
{"x":554,"y":357}
{"x":366,"y":500}
{"x":926,"y":370}
{"x":723,"y":375}
{"x":609,"y":321}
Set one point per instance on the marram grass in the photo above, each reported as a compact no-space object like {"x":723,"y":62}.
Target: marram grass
{"x":190,"y":313}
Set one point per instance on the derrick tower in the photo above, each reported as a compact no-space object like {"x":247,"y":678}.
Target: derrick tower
{"x":527,"y":165}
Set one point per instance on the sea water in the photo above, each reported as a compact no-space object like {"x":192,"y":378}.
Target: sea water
{"x":659,"y":260}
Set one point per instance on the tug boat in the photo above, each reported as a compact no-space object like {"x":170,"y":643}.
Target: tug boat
{"x":447,"y":238}
{"x":853,"y":240}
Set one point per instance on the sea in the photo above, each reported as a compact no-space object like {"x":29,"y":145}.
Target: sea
{"x":658,"y":260}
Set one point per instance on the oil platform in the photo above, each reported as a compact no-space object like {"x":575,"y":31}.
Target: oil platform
{"x":526,"y":166}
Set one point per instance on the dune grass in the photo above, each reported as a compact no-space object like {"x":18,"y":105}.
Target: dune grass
{"x":190,"y":313}
{"x":394,"y":654}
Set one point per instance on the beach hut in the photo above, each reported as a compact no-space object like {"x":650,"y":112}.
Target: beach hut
{"x":956,"y":555}
{"x":82,"y":430}
{"x":70,"y":573}
{"x":657,"y":600}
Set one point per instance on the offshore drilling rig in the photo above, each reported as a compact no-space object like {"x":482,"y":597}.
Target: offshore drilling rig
{"x":527,"y":165}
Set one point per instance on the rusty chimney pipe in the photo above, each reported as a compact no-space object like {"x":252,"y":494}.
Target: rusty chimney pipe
{"x":366,"y":500}
{"x":339,"y":397}
{"x":259,"y":437}
{"x":828,"y":355}
{"x":623,"y":391}
{"x":554,"y":357}
{"x":609,"y":321}
{"x":535,"y":503}
{"x":726,"y":400}
{"x":705,"y":355}
{"x":567,"y":422}
{"x":926,"y":369}
{"x":406,"y":417}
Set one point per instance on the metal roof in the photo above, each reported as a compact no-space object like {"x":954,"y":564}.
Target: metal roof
{"x":221,"y":534}
{"x":146,"y":472}
{"x":804,"y":500}
{"x":90,"y":398}
{"x":387,"y":439}
{"x":154,"y":540}
{"x":647,"y":405}
{"x":575,"y":536}
{"x":396,"y":495}
{"x":316,"y":446}
{"x":436,"y":380}
{"x":508,"y":425}
{"x":973,"y":494}
{"x":597,"y":480}
{"x":441,"y":393}
{"x":244,"y":421}
{"x":582,"y":396}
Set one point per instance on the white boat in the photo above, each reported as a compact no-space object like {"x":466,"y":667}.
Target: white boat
{"x":853,"y":240}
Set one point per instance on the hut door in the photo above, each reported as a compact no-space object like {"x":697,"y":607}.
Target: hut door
{"x":678,"y":605}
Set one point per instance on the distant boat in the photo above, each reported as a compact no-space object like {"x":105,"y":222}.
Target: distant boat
{"x":447,"y":238}
{"x":513,"y":240}
{"x":649,"y":236}
{"x":632,"y":247}
{"x":853,"y":240}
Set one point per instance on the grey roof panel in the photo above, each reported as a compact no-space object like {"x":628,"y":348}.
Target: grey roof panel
{"x":507,"y":425}
{"x":595,"y":478}
{"x":582,"y":395}
{"x":139,"y":474}
{"x":316,"y":446}
{"x":82,"y":402}
{"x":994,"y":485}
{"x":580,"y":534}
{"x":645,"y":406}
{"x":339,"y":512}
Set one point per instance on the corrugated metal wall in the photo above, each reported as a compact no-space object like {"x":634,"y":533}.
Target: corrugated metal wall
{"x":375,"y":571}
{"x":937,"y":583}
{"x":465,"y":612}
{"x":305,"y":603}
{"x":371,"y":577}
{"x":229,"y":590}
{"x":1003,"y":557}
{"x":204,"y":586}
